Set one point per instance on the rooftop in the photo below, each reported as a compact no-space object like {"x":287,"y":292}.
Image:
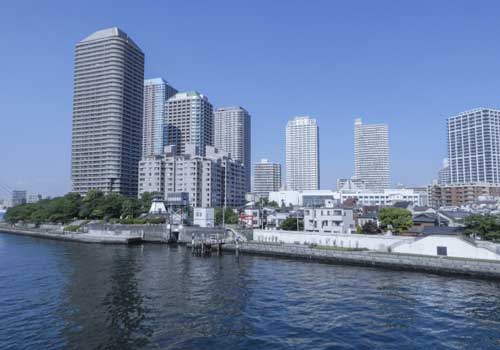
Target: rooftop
{"x":187,"y":95}
{"x":110,"y":33}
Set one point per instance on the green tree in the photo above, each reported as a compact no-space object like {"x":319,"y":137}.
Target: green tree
{"x":370,"y":228}
{"x":95,"y":205}
{"x":230,"y":217}
{"x":131,"y":208}
{"x":146,"y":201}
{"x":398,"y":219}
{"x":273,"y":204}
{"x":486,"y":226}
{"x":290,"y":224}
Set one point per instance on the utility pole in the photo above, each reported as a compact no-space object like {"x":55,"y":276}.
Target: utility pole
{"x":225,"y":199}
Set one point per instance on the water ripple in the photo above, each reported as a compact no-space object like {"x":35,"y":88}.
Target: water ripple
{"x":63,"y":295}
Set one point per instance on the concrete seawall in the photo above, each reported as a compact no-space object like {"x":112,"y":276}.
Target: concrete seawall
{"x":73,"y":237}
{"x":438,"y":265}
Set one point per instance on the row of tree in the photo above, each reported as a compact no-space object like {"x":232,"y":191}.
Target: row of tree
{"x":94,"y":206}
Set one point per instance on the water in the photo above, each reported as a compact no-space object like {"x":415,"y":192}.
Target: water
{"x":64,"y":295}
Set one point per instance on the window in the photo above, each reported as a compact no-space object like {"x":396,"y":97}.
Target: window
{"x":442,"y":251}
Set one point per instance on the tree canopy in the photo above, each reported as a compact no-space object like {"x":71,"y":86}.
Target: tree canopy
{"x":290,"y":224}
{"x":485,"y":226}
{"x":230,"y":217}
{"x":370,"y":228}
{"x":94,"y":206}
{"x":398,"y":219}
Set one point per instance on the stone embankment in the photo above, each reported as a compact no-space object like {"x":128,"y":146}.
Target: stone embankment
{"x":439,"y":265}
{"x":116,"y":233}
{"x":72,"y":236}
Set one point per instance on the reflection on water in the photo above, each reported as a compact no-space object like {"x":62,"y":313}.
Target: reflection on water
{"x":62,"y":295}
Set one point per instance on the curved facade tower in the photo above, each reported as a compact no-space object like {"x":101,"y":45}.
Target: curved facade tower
{"x":107,"y":113}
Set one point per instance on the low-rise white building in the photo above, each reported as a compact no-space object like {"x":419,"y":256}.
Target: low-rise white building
{"x":275,"y":219}
{"x":316,"y":198}
{"x":204,"y":217}
{"x":328,"y":219}
{"x":303,"y":198}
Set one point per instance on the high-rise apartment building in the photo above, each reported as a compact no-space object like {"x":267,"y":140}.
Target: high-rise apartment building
{"x":302,"y":154}
{"x":266,"y":177}
{"x":444,"y":173}
{"x":371,"y":155}
{"x":107,"y":113}
{"x":156,"y":93}
{"x":232,"y":133}
{"x":190,"y":120}
{"x":474,"y":147}
{"x":19,"y":197}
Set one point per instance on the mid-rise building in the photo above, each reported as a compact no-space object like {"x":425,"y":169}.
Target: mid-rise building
{"x":156,"y":93}
{"x":302,"y":154}
{"x":34,"y":198}
{"x":190,"y":120}
{"x":19,"y":197}
{"x":457,"y":195}
{"x":152,"y":176}
{"x":207,"y":181}
{"x":371,"y":155}
{"x":107,"y":113}
{"x":232,"y":134}
{"x":474,"y":147}
{"x":267,"y":177}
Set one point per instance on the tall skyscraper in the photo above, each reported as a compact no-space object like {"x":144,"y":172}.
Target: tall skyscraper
{"x":302,"y":154}
{"x":233,"y":134}
{"x":474,"y":147}
{"x":371,"y":155}
{"x":190,"y":120}
{"x":156,"y":93}
{"x":107,"y":113}
{"x":444,"y":173}
{"x":266,"y":177}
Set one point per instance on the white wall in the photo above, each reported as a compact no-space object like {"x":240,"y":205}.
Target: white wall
{"x":456,"y":247}
{"x":372,"y":242}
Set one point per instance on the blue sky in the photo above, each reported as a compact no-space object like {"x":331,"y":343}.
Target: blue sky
{"x":407,"y":64}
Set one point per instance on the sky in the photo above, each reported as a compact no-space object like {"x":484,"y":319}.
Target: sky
{"x":408,"y":64}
